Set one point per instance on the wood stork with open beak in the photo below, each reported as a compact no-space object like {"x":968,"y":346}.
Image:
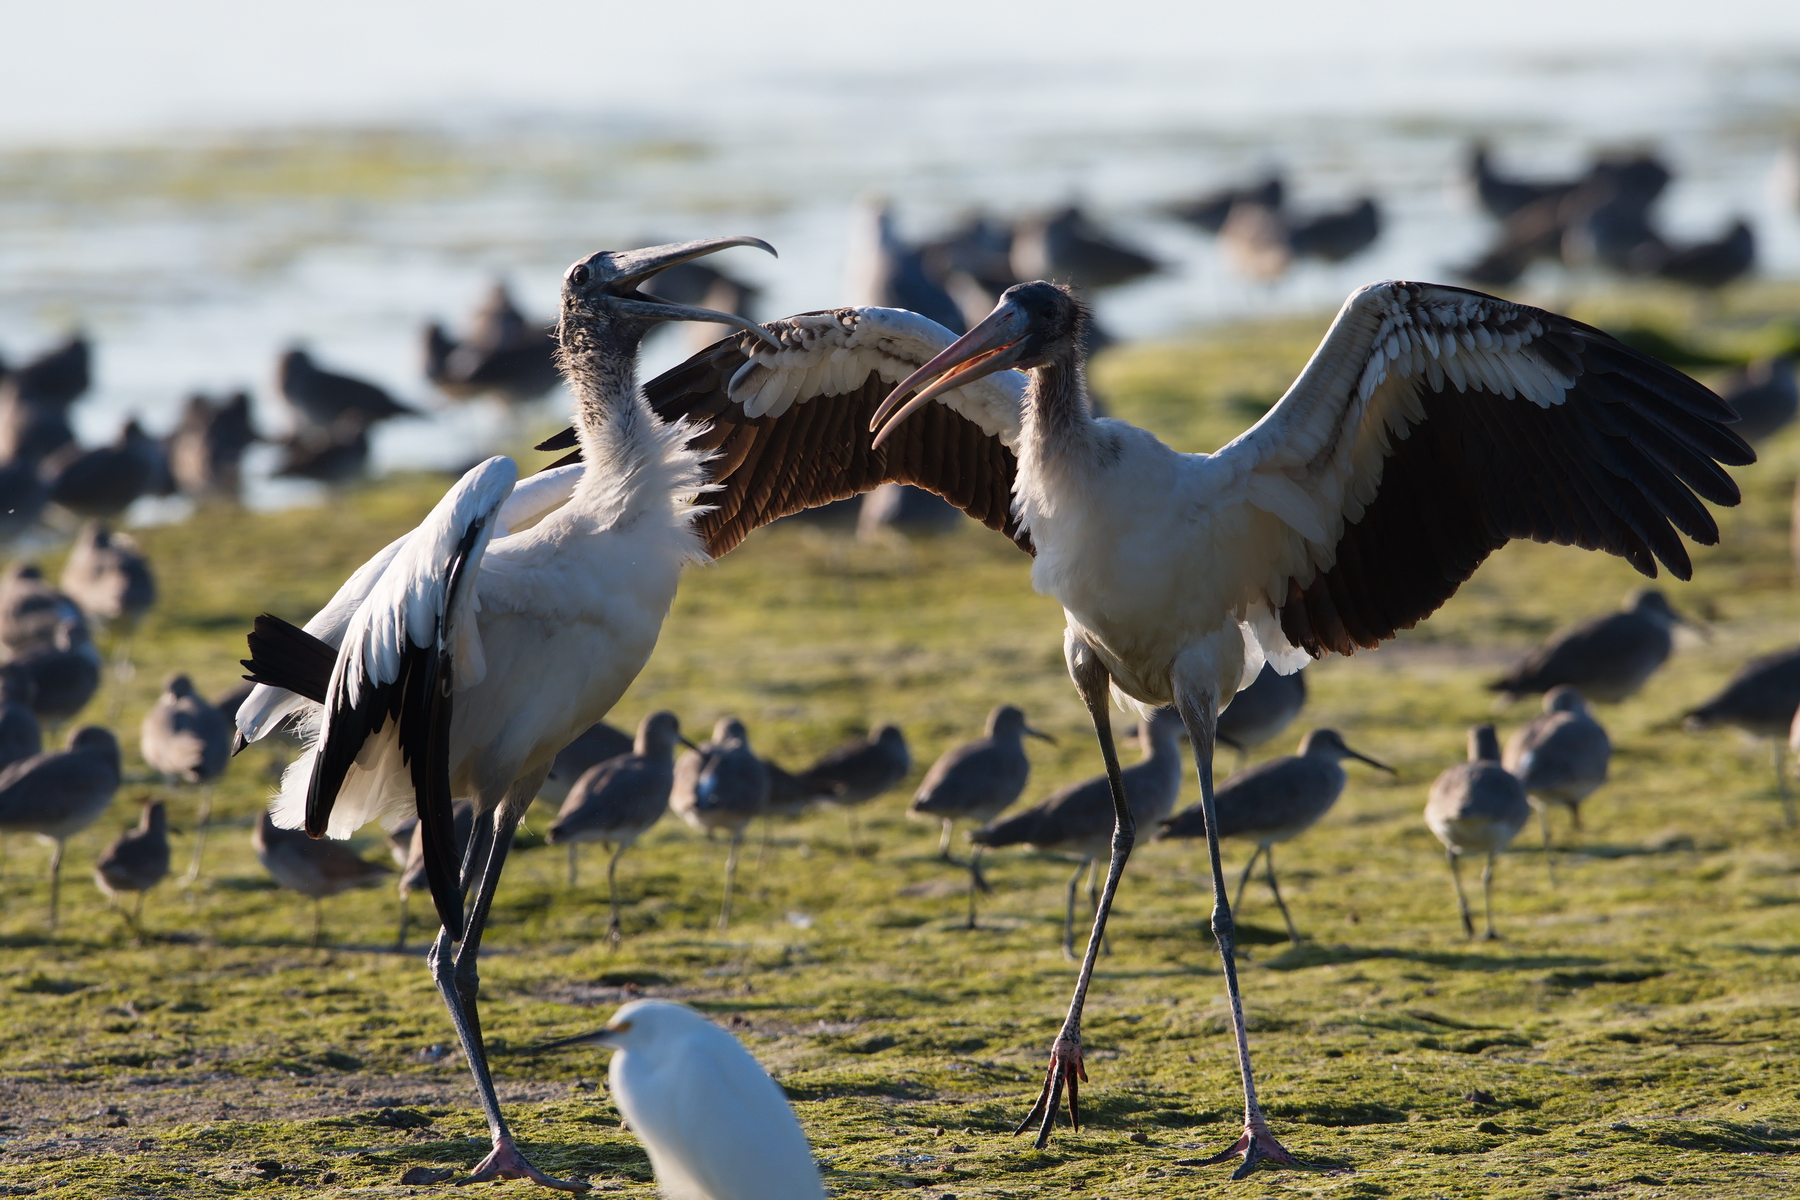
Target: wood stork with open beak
{"x":460,"y":659}
{"x":1432,"y":426}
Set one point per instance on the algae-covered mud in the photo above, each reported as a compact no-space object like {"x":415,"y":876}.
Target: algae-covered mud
{"x":1633,"y":1034}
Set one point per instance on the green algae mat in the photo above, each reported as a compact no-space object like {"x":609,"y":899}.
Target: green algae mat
{"x":1634,"y":1034}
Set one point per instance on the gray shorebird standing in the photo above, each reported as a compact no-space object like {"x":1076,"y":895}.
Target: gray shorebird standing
{"x":137,"y":861}
{"x":315,"y":868}
{"x":20,"y":734}
{"x":1607,"y":658}
{"x":597,"y":743}
{"x":108,"y":576}
{"x":1760,"y":699}
{"x":188,"y":741}
{"x":1261,"y":711}
{"x":409,"y":856}
{"x":57,"y":795}
{"x":65,"y":672}
{"x":1273,"y":802}
{"x":1078,"y":819}
{"x":615,"y":802}
{"x":976,"y":781}
{"x":1561,"y":756}
{"x":1477,"y":807}
{"x":30,"y":609}
{"x":858,"y":771}
{"x":722,"y":784}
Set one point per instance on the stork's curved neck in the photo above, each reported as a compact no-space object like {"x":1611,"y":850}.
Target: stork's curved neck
{"x":615,"y":425}
{"x":1057,"y":416}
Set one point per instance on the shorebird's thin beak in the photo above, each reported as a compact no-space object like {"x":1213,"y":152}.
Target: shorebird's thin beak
{"x":600,"y":1037}
{"x":993,"y":345}
{"x":1365,"y":758}
{"x":1028,"y":731}
{"x":688,"y":742}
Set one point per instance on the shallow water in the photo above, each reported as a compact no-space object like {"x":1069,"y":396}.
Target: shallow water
{"x":195,"y":258}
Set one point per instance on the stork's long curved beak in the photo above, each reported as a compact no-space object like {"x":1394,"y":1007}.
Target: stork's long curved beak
{"x":1028,"y":731}
{"x":1365,"y":758}
{"x":993,"y":345}
{"x":625,"y":269}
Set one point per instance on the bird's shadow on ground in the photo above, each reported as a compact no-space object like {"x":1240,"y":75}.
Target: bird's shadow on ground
{"x":1311,"y":955}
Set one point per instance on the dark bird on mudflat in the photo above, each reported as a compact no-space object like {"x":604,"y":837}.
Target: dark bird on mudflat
{"x":1605,"y":658}
{"x":1477,"y":807}
{"x":1071,"y":247}
{"x":137,"y":861}
{"x":1261,"y":712}
{"x":104,"y":481}
{"x":1711,"y":265}
{"x":59,"y":794}
{"x":108,"y":576}
{"x":1210,"y":211}
{"x":314,"y":867}
{"x":30,"y":609}
{"x":336,"y":453}
{"x":65,"y":673}
{"x":501,"y":354}
{"x":858,"y":771}
{"x":21,"y":736}
{"x":1561,"y":756}
{"x":598,"y":743}
{"x":887,"y":271}
{"x":1760,"y":699}
{"x":205,"y":452}
{"x":1502,"y":196}
{"x":722,"y":784}
{"x":320,"y":397}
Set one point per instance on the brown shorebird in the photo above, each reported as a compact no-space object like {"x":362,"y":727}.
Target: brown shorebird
{"x":30,"y":609}
{"x":1561,"y":756}
{"x":617,"y":801}
{"x":596,"y":744}
{"x":722,"y":784}
{"x":1760,"y":699}
{"x":1477,"y":807}
{"x":57,"y":795}
{"x":976,"y":781}
{"x":1607,"y":658}
{"x":20,"y":734}
{"x":108,"y":576}
{"x":314,"y":868}
{"x":188,"y":741}
{"x":1262,"y":711}
{"x":1273,"y":802}
{"x":137,"y":861}
{"x":860,"y":770}
{"x":65,"y":673}
{"x":1078,"y":819}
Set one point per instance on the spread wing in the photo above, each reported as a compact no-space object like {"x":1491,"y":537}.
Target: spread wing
{"x":1432,"y":426}
{"x":789,"y":428}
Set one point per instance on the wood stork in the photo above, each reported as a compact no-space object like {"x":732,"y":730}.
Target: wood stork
{"x":1432,"y":426}
{"x":461,"y":658}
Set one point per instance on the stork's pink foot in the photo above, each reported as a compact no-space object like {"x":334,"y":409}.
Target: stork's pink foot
{"x":505,"y":1162}
{"x":1258,"y":1146}
{"x":1066,"y":1070}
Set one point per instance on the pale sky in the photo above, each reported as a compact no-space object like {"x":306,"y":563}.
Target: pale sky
{"x":110,"y":68}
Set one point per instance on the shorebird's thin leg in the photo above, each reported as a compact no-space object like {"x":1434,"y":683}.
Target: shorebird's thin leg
{"x":200,"y":822}
{"x":574,"y":863}
{"x":944,"y":840}
{"x":1274,"y":890}
{"x":612,"y":892}
{"x":400,"y":942}
{"x":1066,"y":1065}
{"x":1543,"y":812}
{"x":1462,"y":901}
{"x":731,"y":857}
{"x":137,"y":918}
{"x":976,"y":882}
{"x":1200,"y":713}
{"x":461,"y":985}
{"x":1487,"y":896}
{"x":55,"y":880}
{"x":762,"y":847}
{"x":1069,"y":910}
{"x":1237,"y":902}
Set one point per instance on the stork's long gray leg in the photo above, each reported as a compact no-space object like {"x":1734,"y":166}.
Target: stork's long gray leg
{"x":1274,"y":890}
{"x":1094,"y":902}
{"x":1462,"y":901}
{"x":1200,"y":713}
{"x":1237,"y":902}
{"x":1066,"y":1066}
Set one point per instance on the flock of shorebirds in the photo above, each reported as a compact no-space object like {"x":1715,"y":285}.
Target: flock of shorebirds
{"x":466,"y":669}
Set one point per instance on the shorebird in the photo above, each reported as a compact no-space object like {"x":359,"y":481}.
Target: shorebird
{"x":1477,"y":807}
{"x":106,"y":480}
{"x":1079,"y":819}
{"x":597,"y":743}
{"x":1711,"y":265}
{"x":1605,"y":658}
{"x":1432,"y":425}
{"x":409,"y":856}
{"x":1501,"y":196}
{"x":1764,"y":395}
{"x":860,"y":770}
{"x":20,"y":734}
{"x":65,"y":674}
{"x":1560,"y":756}
{"x":977,"y":781}
{"x":722,"y":784}
{"x":30,"y":609}
{"x":1262,"y":711}
{"x":1760,"y":699}
{"x":1273,"y":802}
{"x":462,"y":658}
{"x":501,"y":354}
{"x":59,"y":794}
{"x":1067,"y":245}
{"x":322,"y":397}
{"x":137,"y":861}
{"x":615,"y":802}
{"x":109,"y":577}
{"x":315,"y":869}
{"x":187,"y":740}
{"x":1210,"y":212}
{"x":334,"y":453}
{"x":205,"y":451}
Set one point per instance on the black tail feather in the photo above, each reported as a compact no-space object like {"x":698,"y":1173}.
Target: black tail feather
{"x":283,"y":655}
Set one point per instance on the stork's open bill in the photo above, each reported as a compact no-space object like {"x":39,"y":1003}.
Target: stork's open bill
{"x":460,"y":659}
{"x":1432,"y":425}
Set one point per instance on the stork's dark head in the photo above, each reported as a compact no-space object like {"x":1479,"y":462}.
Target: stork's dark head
{"x":1034,"y":325}
{"x":601,"y":300}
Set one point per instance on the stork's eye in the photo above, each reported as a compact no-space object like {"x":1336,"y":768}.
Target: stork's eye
{"x":578,"y":275}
